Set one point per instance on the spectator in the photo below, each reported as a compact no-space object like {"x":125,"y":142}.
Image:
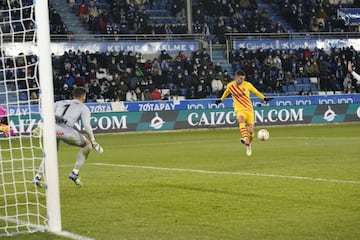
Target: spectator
{"x":216,"y":86}
{"x":156,"y":94}
{"x":164,"y":56}
{"x":123,"y":90}
{"x":69,"y":81}
{"x":83,"y":12}
{"x":348,"y":84}
{"x":95,"y":91}
{"x":131,"y":96}
{"x":112,"y":92}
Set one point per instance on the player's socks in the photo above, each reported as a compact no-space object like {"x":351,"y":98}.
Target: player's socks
{"x":244,"y":133}
{"x":251,"y":137}
{"x":82,"y":156}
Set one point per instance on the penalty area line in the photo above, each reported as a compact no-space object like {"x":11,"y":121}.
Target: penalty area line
{"x":229,"y":173}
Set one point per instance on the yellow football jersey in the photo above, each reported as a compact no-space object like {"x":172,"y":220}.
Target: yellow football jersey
{"x":241,"y":94}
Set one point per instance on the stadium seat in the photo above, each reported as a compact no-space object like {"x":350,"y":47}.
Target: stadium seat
{"x":306,"y":80}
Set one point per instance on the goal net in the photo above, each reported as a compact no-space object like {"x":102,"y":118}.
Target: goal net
{"x":24,"y":207}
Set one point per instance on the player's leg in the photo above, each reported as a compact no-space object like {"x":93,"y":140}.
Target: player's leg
{"x":75,"y":138}
{"x":250,"y":121}
{"x":240,"y":117}
{"x":82,"y":155}
{"x":39,"y":175}
{"x":250,"y":127}
{"x":85,"y":147}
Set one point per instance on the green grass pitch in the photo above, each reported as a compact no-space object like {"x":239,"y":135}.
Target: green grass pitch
{"x":304,"y":183}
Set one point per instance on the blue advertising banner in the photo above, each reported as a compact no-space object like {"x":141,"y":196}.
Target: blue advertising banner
{"x":326,"y":44}
{"x":350,"y":15}
{"x":148,"y":47}
{"x":228,"y":103}
{"x":199,"y":104}
{"x":112,"y":122}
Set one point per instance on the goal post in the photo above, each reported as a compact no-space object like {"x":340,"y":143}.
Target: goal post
{"x":26,"y":74}
{"x":47,"y":113}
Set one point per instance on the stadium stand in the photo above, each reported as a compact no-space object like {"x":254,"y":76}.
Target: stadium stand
{"x":168,"y":17}
{"x":111,"y":76}
{"x":56,"y":24}
{"x":296,"y":71}
{"x":313,"y":16}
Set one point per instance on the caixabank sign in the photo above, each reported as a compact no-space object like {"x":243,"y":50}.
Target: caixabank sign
{"x":112,"y":122}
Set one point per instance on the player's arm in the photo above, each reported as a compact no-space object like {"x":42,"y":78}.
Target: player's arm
{"x":85,"y":118}
{"x":225,"y":95}
{"x":353,"y":73}
{"x":259,"y":94}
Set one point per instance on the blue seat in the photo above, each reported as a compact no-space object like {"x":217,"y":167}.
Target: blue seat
{"x":291,"y":88}
{"x":298,"y":88}
{"x":306,"y":80}
{"x":314,"y":88}
{"x":306,"y":88}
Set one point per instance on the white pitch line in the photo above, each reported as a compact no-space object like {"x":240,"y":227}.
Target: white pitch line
{"x":232,"y":140}
{"x":72,"y":235}
{"x":42,"y":228}
{"x":229,"y":173}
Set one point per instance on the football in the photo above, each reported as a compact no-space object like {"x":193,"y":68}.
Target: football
{"x":263,"y":135}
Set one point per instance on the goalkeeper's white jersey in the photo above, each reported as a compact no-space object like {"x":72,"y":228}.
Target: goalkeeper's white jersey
{"x":68,"y":112}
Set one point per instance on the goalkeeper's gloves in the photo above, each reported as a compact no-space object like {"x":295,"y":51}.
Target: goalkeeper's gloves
{"x":266,"y":100}
{"x":218,"y":101}
{"x":97,"y":147}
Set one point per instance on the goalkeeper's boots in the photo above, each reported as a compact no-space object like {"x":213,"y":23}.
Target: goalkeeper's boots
{"x":37,"y":181}
{"x":76,"y":178}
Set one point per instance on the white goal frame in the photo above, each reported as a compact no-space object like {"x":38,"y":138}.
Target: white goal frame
{"x":47,"y":113}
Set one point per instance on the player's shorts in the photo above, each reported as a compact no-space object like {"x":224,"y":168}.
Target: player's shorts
{"x":248,"y":115}
{"x":69,"y":135}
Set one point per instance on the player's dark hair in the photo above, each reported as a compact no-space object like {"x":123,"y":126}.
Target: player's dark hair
{"x":78,"y":92}
{"x":240,"y":73}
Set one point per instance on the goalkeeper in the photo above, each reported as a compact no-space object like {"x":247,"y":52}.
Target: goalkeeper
{"x":240,"y":91}
{"x":67,"y":113}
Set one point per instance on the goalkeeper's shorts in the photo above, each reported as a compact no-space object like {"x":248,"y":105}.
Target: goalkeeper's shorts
{"x":69,"y":135}
{"x":248,"y":115}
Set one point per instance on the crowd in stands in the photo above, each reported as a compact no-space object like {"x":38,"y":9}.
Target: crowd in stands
{"x":128,"y":76}
{"x":270,"y":70}
{"x":210,"y":17}
{"x":19,"y":74}
{"x":313,"y":16}
{"x":16,"y":25}
{"x":23,"y":20}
